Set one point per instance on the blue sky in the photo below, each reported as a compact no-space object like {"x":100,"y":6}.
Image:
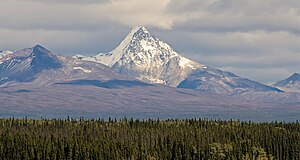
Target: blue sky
{"x":256,"y":39}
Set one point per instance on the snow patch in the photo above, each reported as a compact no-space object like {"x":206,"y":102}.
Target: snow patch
{"x":83,"y":69}
{"x":78,"y":56}
{"x":146,"y":46}
{"x":228,"y":79}
{"x":183,"y":61}
{"x":5,"y":54}
{"x":152,"y":80}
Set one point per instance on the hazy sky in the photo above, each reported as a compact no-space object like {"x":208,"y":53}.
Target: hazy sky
{"x":256,"y":39}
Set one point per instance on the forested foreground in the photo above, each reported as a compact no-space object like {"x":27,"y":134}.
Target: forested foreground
{"x":147,"y":139}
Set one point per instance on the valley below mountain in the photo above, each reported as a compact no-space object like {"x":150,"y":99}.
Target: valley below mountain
{"x":90,"y":100}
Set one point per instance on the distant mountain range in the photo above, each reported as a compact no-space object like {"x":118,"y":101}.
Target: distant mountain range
{"x":291,"y":84}
{"x":145,"y":57}
{"x":142,"y":77}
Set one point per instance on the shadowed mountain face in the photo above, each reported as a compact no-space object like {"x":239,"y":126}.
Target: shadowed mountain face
{"x":43,"y":59}
{"x":147,"y":58}
{"x":25,"y":65}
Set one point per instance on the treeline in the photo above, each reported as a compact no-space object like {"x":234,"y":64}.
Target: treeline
{"x":147,"y":139}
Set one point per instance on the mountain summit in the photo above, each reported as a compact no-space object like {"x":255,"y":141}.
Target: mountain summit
{"x":144,"y":56}
{"x":291,"y":84}
{"x":24,"y":65}
{"x":43,"y":59}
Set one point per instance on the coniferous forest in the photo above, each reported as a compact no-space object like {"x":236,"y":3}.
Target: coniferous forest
{"x":147,"y":139}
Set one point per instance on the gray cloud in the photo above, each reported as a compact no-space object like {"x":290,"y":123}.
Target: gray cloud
{"x":69,"y":1}
{"x":235,"y":15}
{"x":242,"y":52}
{"x":256,"y":39}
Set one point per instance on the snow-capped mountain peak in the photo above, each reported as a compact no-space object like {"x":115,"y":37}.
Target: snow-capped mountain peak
{"x":140,"y":44}
{"x":146,"y":57}
{"x":139,"y":32}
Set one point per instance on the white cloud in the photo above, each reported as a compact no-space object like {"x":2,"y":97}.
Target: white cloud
{"x":35,"y":14}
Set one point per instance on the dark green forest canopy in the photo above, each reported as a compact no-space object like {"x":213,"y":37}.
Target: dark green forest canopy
{"x":147,"y":139}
